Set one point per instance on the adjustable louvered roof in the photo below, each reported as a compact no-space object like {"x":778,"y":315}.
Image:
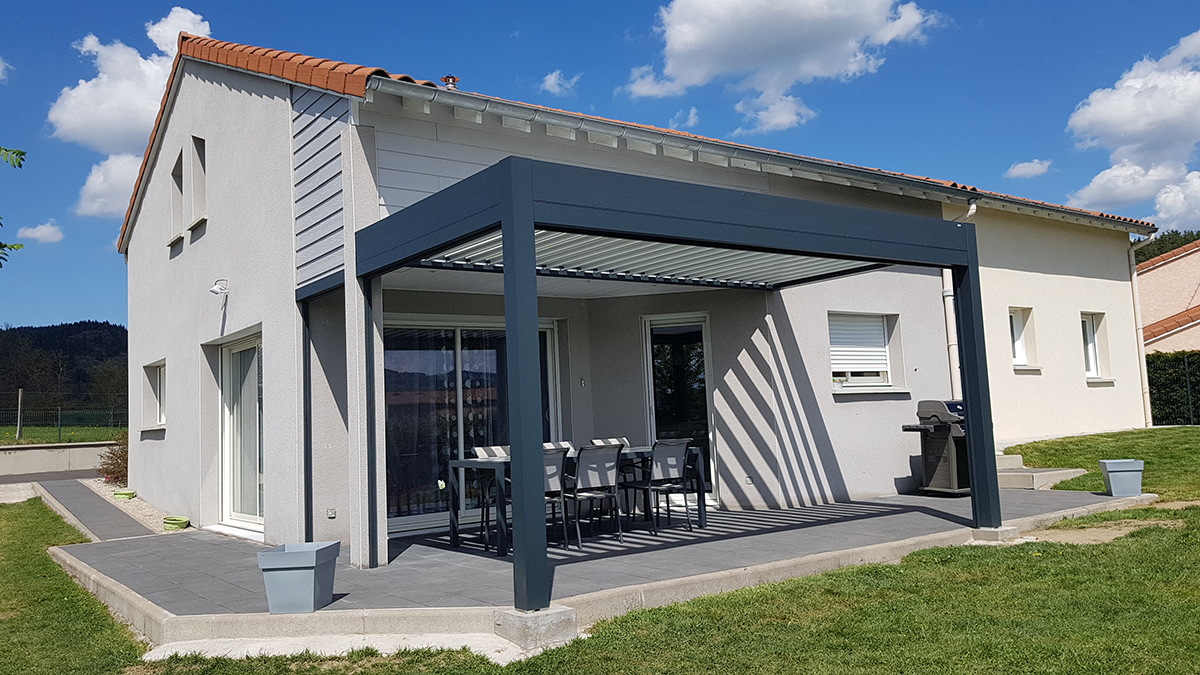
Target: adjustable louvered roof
{"x":588,"y":256}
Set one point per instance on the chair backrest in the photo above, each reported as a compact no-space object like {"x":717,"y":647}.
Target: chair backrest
{"x":554,"y":459}
{"x":620,"y":440}
{"x":565,"y":446}
{"x":669,"y":458}
{"x":482,"y":451}
{"x":596,"y":465}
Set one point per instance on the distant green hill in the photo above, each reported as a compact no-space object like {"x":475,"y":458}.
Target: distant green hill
{"x":86,"y":360}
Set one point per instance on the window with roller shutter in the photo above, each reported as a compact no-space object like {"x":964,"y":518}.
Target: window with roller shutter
{"x":858,"y":349}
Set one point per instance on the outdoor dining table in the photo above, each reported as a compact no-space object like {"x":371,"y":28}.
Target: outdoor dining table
{"x":499,"y":468}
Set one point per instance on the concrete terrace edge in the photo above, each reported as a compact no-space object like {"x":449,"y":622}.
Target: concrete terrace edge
{"x":146,"y":617}
{"x":61,"y":510}
{"x":57,"y":446}
{"x":162,"y":627}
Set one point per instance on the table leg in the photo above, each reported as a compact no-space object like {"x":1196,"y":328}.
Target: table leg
{"x":454,"y":540}
{"x":701,"y":506}
{"x":501,"y":514}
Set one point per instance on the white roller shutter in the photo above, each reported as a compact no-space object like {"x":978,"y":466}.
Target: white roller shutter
{"x":857,"y":343}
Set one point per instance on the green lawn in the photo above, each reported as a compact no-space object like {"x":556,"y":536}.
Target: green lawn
{"x":48,"y":623}
{"x":8,"y":435}
{"x":1129,"y":606}
{"x":1172,"y":457}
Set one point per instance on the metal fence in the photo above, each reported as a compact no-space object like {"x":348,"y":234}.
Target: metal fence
{"x":63,"y":410}
{"x":1174,"y":379}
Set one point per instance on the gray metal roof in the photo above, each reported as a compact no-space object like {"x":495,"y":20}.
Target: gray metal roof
{"x":590,"y":256}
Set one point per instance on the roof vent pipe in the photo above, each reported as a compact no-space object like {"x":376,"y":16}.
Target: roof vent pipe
{"x":451,"y":82}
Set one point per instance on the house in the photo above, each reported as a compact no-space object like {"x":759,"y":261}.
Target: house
{"x":341,"y":278}
{"x":1169,"y":290}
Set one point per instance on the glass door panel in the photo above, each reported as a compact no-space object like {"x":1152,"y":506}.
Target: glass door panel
{"x":243,"y":393}
{"x":446,"y":392}
{"x":420,"y":378}
{"x":680,"y":390}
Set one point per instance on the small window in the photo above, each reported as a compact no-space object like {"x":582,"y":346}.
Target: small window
{"x":858,"y":349}
{"x":1091,"y":347}
{"x":1016,"y":330}
{"x":199,"y":198}
{"x":177,"y":198}
{"x":154,"y":395}
{"x":161,"y":392}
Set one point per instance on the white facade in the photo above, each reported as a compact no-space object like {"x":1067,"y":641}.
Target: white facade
{"x":282,"y":212}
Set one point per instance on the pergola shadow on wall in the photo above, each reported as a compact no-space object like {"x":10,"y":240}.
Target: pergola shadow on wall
{"x":524,"y":218}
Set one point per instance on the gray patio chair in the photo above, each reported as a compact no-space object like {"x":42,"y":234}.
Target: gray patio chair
{"x":628,"y":468}
{"x":487,"y":490}
{"x":554,"y":456}
{"x":664,"y":476}
{"x":596,"y":480}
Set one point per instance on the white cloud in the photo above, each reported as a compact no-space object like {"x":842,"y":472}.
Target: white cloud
{"x":1034,"y":167}
{"x":47,"y":233}
{"x":556,"y":83}
{"x":109,"y":184}
{"x":1148,"y":122}
{"x":769,"y":46}
{"x":685,"y":119}
{"x":5,"y":66}
{"x":113,"y":112}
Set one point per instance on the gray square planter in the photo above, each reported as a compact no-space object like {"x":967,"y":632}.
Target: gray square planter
{"x":1122,"y":477}
{"x":299,"y":577}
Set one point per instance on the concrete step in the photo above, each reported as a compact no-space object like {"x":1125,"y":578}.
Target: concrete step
{"x":1009,"y":462}
{"x":1034,"y":479}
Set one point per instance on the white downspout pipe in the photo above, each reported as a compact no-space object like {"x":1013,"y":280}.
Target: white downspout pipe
{"x":951,"y":320}
{"x":1137,"y":320}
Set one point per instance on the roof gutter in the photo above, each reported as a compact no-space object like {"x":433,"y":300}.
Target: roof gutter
{"x":776,"y":162}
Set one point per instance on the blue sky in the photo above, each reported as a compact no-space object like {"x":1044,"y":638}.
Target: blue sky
{"x":1105,"y":92}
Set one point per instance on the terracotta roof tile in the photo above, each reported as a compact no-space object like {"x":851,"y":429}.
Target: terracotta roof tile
{"x":346,"y":78}
{"x":1171,"y":323}
{"x":1169,"y":255}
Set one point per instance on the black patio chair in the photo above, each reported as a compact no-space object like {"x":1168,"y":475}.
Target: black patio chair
{"x":487,"y":489}
{"x":595,"y":479}
{"x":554,"y":456}
{"x":665,"y":475}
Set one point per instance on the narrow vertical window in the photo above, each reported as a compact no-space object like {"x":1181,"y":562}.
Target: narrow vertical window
{"x":1016,"y":329}
{"x":177,"y":199}
{"x":199,"y":195}
{"x":1091,"y":355}
{"x":161,"y":374}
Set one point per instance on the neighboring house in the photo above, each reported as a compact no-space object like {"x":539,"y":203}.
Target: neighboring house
{"x":1169,"y":290}
{"x":363,"y":326}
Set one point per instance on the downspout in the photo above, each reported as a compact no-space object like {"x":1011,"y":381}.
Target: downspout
{"x":1137,"y":320}
{"x":951,"y":321}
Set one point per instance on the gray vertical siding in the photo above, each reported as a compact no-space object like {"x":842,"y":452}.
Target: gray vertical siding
{"x":318,"y":119}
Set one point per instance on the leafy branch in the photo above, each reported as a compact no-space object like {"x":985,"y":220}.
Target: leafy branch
{"x":15,"y":159}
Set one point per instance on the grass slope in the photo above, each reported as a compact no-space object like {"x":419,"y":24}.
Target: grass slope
{"x":48,"y":623}
{"x":1172,"y":457}
{"x":8,"y":435}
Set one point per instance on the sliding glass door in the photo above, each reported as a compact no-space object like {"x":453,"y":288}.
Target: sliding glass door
{"x":242,"y":395}
{"x":446,"y":392}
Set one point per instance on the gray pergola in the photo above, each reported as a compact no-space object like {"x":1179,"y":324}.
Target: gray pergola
{"x":525,"y":218}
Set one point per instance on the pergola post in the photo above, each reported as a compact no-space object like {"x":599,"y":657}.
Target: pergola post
{"x":981,"y":444}
{"x":531,"y":571}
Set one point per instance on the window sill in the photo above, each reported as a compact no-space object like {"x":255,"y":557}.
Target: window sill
{"x":155,"y":427}
{"x":175,"y":240}
{"x":1101,"y":382}
{"x":870,"y":389}
{"x":1027,"y":370}
{"x":202,"y":220}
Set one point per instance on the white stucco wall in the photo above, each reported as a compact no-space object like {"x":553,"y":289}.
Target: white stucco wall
{"x":1059,"y":271}
{"x":246,"y":123}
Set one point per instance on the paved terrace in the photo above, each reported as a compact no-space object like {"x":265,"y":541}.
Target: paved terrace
{"x":196,"y":573}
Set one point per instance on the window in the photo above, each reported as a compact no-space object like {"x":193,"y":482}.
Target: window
{"x":161,"y":390}
{"x":154,"y":395}
{"x":858,"y":349}
{"x":1091,"y":346}
{"x":1016,"y":330}
{"x":199,"y":199}
{"x":177,"y":201}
